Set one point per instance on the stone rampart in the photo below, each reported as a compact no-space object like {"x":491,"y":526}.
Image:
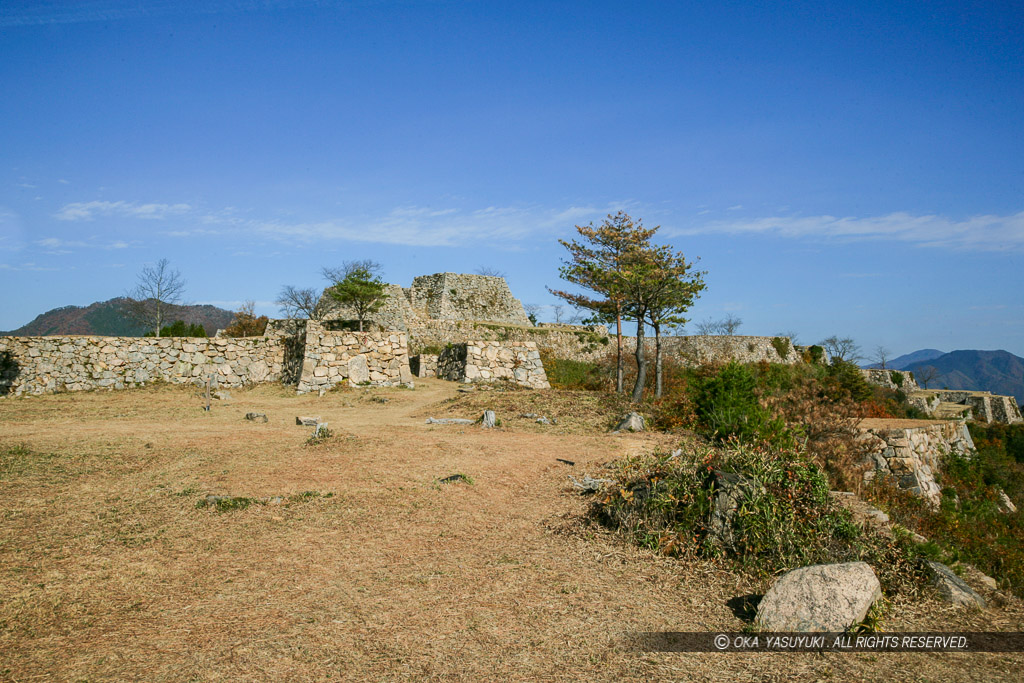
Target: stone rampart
{"x":360,"y":358}
{"x":705,"y":349}
{"x":40,"y":365}
{"x":902,"y":380}
{"x":442,"y":296}
{"x":573,"y":342}
{"x":912,"y":454}
{"x":490,"y":361}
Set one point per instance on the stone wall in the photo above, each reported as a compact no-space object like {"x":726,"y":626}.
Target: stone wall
{"x":442,"y":296}
{"x":913,"y":454}
{"x":982,"y":406}
{"x":886,"y":378}
{"x":490,"y":361}
{"x":423,"y":365}
{"x":573,"y":342}
{"x":704,"y":349}
{"x":373,"y":358}
{"x":39,"y":365}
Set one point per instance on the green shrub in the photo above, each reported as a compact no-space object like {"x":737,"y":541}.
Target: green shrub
{"x":815,"y":354}
{"x":667,"y":503}
{"x":896,"y":377}
{"x":573,"y":374}
{"x":782,"y":347}
{"x":848,"y":376}
{"x":726,"y":405}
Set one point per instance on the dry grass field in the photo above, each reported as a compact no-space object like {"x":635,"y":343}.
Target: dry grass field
{"x":368,"y":568}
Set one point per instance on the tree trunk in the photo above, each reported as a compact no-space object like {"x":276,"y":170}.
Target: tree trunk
{"x":641,"y":360}
{"x":657,"y":361}
{"x":618,"y":352}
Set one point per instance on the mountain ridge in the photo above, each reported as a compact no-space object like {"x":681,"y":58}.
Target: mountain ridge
{"x":107,"y":318}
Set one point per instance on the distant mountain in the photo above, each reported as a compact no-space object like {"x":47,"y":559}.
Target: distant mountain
{"x":106,"y":318}
{"x":901,"y":362}
{"x":1000,"y":372}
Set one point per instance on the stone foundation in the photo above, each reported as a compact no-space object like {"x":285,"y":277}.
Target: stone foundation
{"x":359,"y":358}
{"x":45,"y":365}
{"x":423,"y":365}
{"x":490,"y":361}
{"x":912,"y":455}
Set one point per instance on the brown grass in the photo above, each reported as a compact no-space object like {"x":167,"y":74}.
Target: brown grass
{"x":108,"y":571}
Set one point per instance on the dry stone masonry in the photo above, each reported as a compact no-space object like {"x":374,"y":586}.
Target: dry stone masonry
{"x":490,"y":361}
{"x":40,"y":365}
{"x":912,"y":455}
{"x":442,"y":296}
{"x":360,"y":358}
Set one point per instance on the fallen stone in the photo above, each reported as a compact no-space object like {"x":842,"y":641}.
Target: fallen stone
{"x":454,"y":478}
{"x":307,"y":421}
{"x":570,"y":463}
{"x":449,"y":421}
{"x":488,"y":420}
{"x":732,"y":490}
{"x":544,"y":421}
{"x":975,"y":574}
{"x":256,"y":417}
{"x":530,"y":416}
{"x":634,"y":422}
{"x":1006,"y":505}
{"x":952,"y":588}
{"x":222,"y":395}
{"x":320,"y":431}
{"x":589,"y":484}
{"x":819,"y":598}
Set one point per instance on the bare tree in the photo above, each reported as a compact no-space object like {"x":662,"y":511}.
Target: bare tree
{"x":559,"y":311}
{"x":880,"y":356}
{"x":531,"y":312}
{"x":707,"y":327}
{"x":926,"y":374}
{"x":490,"y":272}
{"x":729,"y":324}
{"x":843,"y":350}
{"x":158,"y":287}
{"x":297,"y":303}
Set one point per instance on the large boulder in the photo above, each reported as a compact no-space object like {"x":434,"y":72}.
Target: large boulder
{"x":822,"y":597}
{"x":358,"y":371}
{"x":634,"y":422}
{"x":952,"y":588}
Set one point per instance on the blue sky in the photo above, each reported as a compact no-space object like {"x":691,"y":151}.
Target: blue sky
{"x":840,"y":168}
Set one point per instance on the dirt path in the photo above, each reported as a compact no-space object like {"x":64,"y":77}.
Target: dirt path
{"x":370,"y":569}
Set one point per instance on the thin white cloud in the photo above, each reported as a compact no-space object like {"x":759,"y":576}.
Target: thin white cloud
{"x":87,"y":211}
{"x":62,"y":181}
{"x":56,"y":245}
{"x":980,"y":233}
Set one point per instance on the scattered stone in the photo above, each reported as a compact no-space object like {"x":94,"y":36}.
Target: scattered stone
{"x":952,"y":588}
{"x":570,"y":463}
{"x":530,"y":416}
{"x":256,"y":417}
{"x":449,"y":421}
{"x":1006,"y":505}
{"x":465,"y":389}
{"x":731,"y":491}
{"x":321,"y":431}
{"x":589,"y":484}
{"x":975,"y":574}
{"x":380,"y":399}
{"x":545,"y":421}
{"x":453,"y":478}
{"x":488,"y":420}
{"x":307,"y":421}
{"x":634,"y":422}
{"x":222,"y":395}
{"x":822,"y":597}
